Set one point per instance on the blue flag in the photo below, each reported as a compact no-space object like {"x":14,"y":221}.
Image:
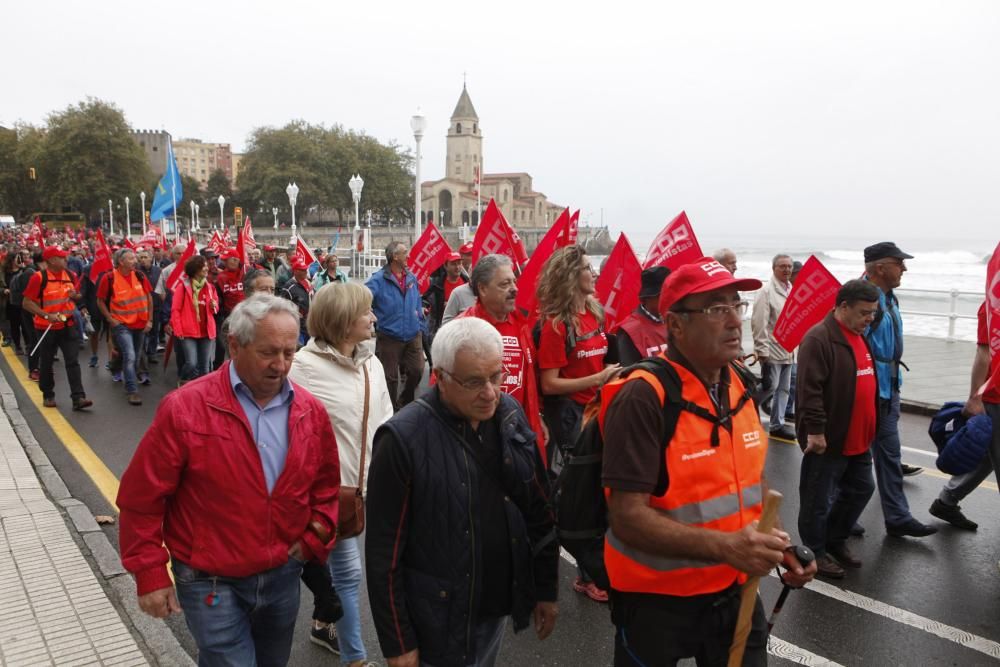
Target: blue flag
{"x":166,"y":196}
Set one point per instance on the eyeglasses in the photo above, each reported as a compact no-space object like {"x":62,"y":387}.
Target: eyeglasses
{"x":478,"y":384}
{"x":269,"y":290}
{"x":718,"y":312}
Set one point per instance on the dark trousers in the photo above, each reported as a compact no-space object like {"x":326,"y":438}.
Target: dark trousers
{"x":397,"y":356}
{"x":660,"y":630}
{"x":833,"y":492}
{"x":326,"y":602}
{"x":67,"y":341}
{"x":30,"y":338}
{"x":14,"y":319}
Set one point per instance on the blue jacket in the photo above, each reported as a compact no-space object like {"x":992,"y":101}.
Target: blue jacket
{"x":400,"y":314}
{"x":886,"y":341}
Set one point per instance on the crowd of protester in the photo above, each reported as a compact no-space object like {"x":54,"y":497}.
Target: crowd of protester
{"x":298,"y":424}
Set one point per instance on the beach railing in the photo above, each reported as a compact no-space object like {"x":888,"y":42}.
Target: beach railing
{"x":953,"y":315}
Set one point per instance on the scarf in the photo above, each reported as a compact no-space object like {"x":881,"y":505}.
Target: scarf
{"x":196,"y":286}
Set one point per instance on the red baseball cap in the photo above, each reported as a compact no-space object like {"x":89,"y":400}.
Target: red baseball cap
{"x":703,"y":275}
{"x":230,"y":253}
{"x":53,"y":251}
{"x":454,"y":257}
{"x":466,"y":249}
{"x":299,"y":264}
{"x":269,"y":248}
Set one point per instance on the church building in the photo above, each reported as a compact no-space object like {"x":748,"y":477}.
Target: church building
{"x":451,"y":201}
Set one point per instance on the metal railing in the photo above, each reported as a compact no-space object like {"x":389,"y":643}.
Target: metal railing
{"x":953,"y":315}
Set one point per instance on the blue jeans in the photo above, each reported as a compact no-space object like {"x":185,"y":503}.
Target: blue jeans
{"x":252,"y":624}
{"x":781,"y":379}
{"x":489,"y":638}
{"x":345,"y":569}
{"x":129,"y":344}
{"x":198,"y":353}
{"x":888,"y":463}
{"x":833,"y":492}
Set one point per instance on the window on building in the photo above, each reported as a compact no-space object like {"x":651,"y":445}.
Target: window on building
{"x":458,"y":157}
{"x":475,"y":128}
{"x":458,"y":171}
{"x":458,"y":128}
{"x":142,"y":143}
{"x":155,"y":149}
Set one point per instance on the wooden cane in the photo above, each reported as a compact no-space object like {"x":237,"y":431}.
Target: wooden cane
{"x":748,"y":594}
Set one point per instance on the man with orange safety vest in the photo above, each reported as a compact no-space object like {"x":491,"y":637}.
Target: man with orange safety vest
{"x":682,"y":505}
{"x":125,"y":300}
{"x":50,"y":297}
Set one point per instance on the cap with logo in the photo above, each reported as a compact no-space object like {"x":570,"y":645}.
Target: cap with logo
{"x":698,"y":277}
{"x":53,"y":251}
{"x":466,"y":249}
{"x":299,"y":264}
{"x":454,"y":257}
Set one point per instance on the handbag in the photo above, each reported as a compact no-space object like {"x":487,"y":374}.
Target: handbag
{"x":351,"y":518}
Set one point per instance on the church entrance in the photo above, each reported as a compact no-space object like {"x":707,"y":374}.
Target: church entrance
{"x":445,"y":216}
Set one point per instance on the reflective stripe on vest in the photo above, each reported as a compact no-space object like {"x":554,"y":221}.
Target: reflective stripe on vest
{"x":55,"y":299}
{"x":709,"y":487}
{"x":129,"y":302}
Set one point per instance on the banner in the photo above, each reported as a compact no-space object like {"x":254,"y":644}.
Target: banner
{"x":248,"y":237}
{"x":127,"y":243}
{"x":813,"y":295}
{"x":574,"y":227}
{"x":675,"y":246}
{"x":302,"y":251}
{"x":427,"y":254}
{"x":169,"y":190}
{"x":102,"y":257}
{"x":495,"y":236}
{"x":527,"y":284}
{"x":990,"y":391}
{"x":154,"y":237}
{"x":178,"y":270}
{"x":617,"y":288}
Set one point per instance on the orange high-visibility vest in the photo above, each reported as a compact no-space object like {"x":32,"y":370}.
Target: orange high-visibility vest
{"x":55,"y":298}
{"x":129,"y":302}
{"x":709,"y":487}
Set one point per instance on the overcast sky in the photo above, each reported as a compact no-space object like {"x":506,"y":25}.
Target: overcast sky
{"x":757,"y":118}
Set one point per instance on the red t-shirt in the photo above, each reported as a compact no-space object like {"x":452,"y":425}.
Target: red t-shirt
{"x":862,"y":429}
{"x":450,"y":286}
{"x":401,"y":280}
{"x":585,"y":359}
{"x":992,"y":393}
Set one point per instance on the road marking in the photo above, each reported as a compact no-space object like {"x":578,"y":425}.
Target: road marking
{"x":792,"y":653}
{"x":941,"y":475}
{"x":914,"y":450}
{"x":952,"y":634}
{"x":100,"y":474}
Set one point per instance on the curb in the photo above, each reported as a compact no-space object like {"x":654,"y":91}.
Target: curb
{"x":160,"y":642}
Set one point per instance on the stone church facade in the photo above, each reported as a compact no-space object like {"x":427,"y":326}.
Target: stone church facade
{"x":453,"y":198}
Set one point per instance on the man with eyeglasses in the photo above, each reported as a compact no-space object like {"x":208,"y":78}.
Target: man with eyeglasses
{"x":682,"y":502}
{"x":885,"y":265}
{"x":460,"y":531}
{"x":767,"y":306}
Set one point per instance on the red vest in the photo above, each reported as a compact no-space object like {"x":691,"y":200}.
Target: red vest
{"x":649,"y":337}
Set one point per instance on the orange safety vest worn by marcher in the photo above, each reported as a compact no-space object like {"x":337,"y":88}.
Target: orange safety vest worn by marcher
{"x":714,"y":482}
{"x":129,"y":302}
{"x":54,"y":298}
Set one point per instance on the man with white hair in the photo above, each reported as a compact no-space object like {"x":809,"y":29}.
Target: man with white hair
{"x":726,"y":257}
{"x":460,"y":530}
{"x":235,"y":484}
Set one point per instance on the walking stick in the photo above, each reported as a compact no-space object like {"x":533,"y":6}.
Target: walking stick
{"x":62,"y":318}
{"x":748,"y":594}
{"x":804,"y":556}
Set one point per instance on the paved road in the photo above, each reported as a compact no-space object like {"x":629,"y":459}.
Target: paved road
{"x":926,"y":602}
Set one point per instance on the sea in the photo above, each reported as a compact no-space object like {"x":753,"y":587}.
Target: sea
{"x":938,"y":267}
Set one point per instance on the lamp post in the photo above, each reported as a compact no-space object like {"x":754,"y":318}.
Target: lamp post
{"x":356,"y":183}
{"x":222,"y":220}
{"x":275,"y":211}
{"x":128,"y":218}
{"x":293,"y":193}
{"x":197,"y":217}
{"x":142,"y":196}
{"x":418,"y":124}
{"x":191,"y":222}
{"x":111,"y":219}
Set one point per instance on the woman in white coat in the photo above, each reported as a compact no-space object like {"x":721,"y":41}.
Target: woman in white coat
{"x":339,"y":367}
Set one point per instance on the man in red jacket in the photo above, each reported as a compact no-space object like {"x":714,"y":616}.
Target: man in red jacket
{"x":236,"y":481}
{"x":230,"y":282}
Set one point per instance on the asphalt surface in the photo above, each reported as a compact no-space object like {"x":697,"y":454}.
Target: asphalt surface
{"x":929,"y":601}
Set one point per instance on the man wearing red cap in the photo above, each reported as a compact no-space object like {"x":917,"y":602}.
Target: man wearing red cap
{"x":441,"y":287}
{"x":299,"y":291}
{"x":229,"y":284}
{"x":50,"y":297}
{"x":682,"y":503}
{"x":465,"y":253}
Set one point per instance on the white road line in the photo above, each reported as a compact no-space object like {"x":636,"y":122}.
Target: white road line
{"x":923,"y":452}
{"x":782,"y":649}
{"x":956,"y":635}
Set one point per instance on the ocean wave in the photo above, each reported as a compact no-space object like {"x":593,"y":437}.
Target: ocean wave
{"x":951,"y":257}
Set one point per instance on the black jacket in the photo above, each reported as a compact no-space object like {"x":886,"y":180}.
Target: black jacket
{"x":299,"y":295}
{"x":434,"y":299}
{"x":423,"y":558}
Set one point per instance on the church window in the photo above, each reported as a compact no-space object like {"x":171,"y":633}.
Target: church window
{"x":458,"y":170}
{"x":458,"y":128}
{"x":475,"y":128}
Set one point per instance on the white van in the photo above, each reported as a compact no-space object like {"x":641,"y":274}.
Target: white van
{"x":7,"y":221}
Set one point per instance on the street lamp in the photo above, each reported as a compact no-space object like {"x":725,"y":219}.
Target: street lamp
{"x":197,"y":217}
{"x":275,"y":211}
{"x":111,"y":219}
{"x":222,"y":220}
{"x":191,"y":222}
{"x":356,"y":183}
{"x":418,"y":124}
{"x":142,"y":196}
{"x":128,"y":218}
{"x":293,"y":193}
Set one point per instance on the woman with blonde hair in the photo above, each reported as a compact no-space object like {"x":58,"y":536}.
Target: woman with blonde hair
{"x":571,"y":355}
{"x":339,"y":367}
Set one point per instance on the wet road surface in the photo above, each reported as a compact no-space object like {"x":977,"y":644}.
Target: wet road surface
{"x":932,"y":601}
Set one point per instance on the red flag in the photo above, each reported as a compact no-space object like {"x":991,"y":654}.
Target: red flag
{"x":520,"y":252}
{"x":618,"y":285}
{"x":574,"y":227}
{"x":429,"y":252}
{"x":37,"y":234}
{"x":216,"y":244}
{"x":562,"y":223}
{"x":154,"y":237}
{"x":302,"y":251}
{"x":527,"y":283}
{"x":127,"y":242}
{"x":494,"y":235}
{"x":991,"y":389}
{"x":102,"y":257}
{"x":178,"y":271}
{"x":248,"y":238}
{"x":813,"y":295}
{"x":675,"y":246}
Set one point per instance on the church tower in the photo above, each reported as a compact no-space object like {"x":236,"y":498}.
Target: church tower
{"x":465,"y":142}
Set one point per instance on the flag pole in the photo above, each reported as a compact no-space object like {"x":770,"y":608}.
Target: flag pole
{"x":479,"y":193}
{"x":173,"y":185}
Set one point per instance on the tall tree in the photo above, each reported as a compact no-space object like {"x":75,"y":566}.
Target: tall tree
{"x":88,"y":156}
{"x":218,"y":184}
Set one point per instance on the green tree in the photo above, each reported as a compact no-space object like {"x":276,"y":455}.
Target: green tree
{"x":87,"y":157}
{"x":218,"y":184}
{"x":19,"y":147}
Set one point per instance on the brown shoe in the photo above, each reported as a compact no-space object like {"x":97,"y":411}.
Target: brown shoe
{"x":134,"y":399}
{"x":827,"y":567}
{"x":49,"y":402}
{"x":82,"y":403}
{"x":843,"y":555}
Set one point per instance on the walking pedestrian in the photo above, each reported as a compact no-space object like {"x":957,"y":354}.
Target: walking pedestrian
{"x":192,"y":319}
{"x":642,"y":333}
{"x":125,"y":301}
{"x":767,"y":306}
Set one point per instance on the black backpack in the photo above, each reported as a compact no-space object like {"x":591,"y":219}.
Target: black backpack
{"x":581,"y":507}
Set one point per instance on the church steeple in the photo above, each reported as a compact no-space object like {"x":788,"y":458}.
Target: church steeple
{"x":465,"y":141}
